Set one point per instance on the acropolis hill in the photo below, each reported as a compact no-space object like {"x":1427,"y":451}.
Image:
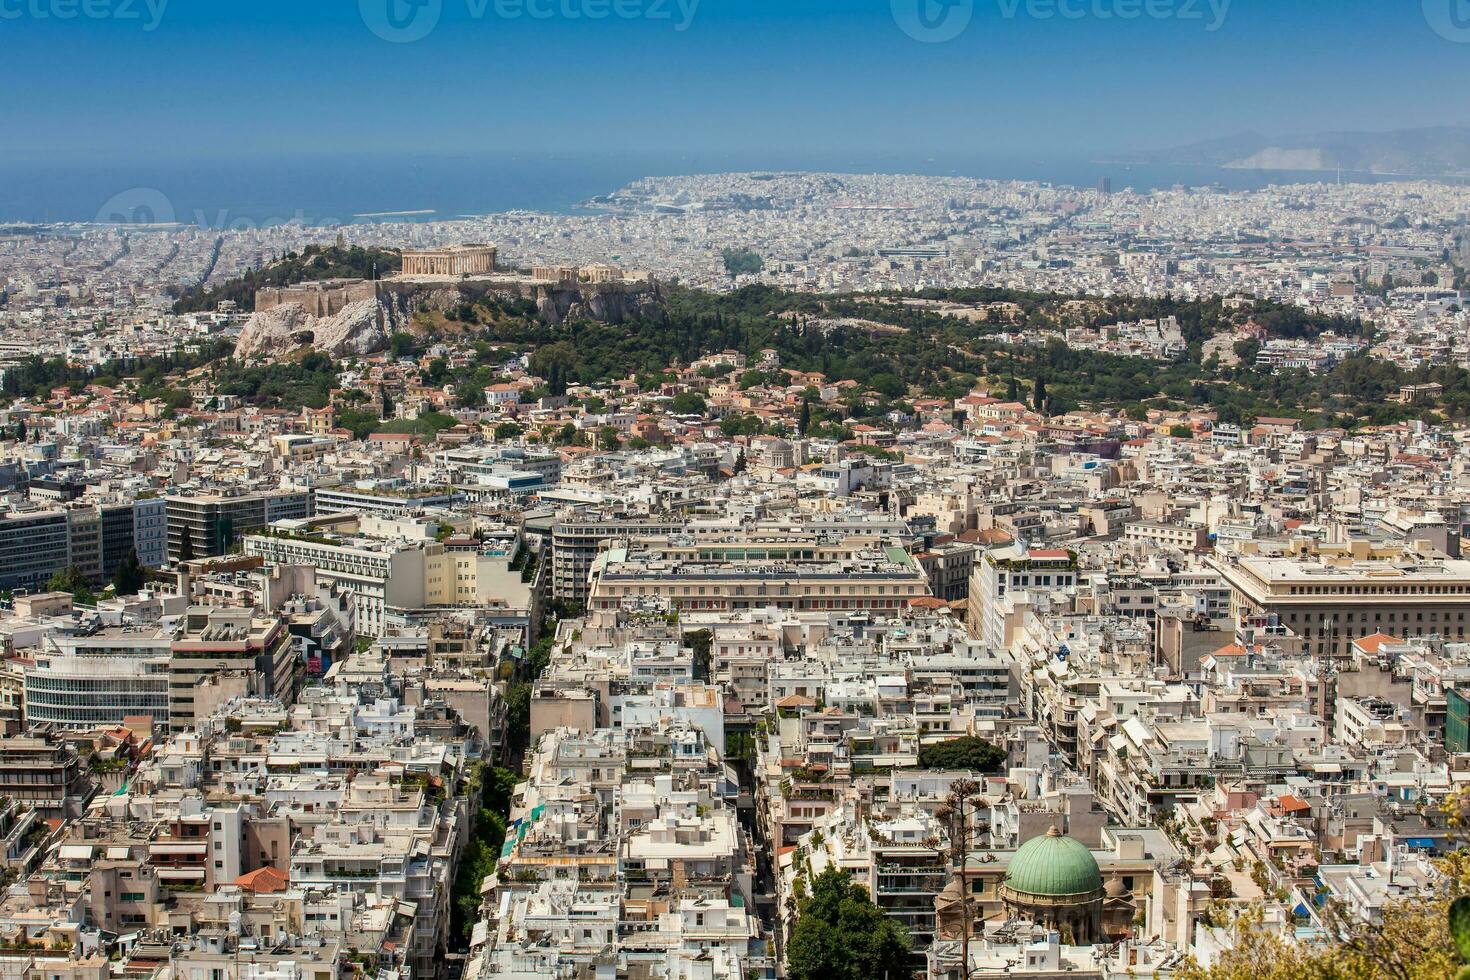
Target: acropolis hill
{"x":357,"y":316}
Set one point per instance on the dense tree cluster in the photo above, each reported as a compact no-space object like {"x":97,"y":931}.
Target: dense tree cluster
{"x":305,"y":382}
{"x":130,"y":575}
{"x":742,"y":261}
{"x":908,"y":351}
{"x":74,"y":581}
{"x":489,"y":791}
{"x":969,"y":753}
{"x":38,"y":377}
{"x":841,"y":935}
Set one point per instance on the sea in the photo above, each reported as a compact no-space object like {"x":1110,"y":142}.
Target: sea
{"x":340,"y":189}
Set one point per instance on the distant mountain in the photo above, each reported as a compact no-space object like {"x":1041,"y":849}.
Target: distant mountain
{"x":1434,"y":152}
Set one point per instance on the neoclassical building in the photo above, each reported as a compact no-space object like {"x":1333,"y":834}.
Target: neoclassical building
{"x":1054,"y":881}
{"x":1049,"y":878}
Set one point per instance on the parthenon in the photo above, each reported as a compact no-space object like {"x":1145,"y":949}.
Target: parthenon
{"x":456,"y":260}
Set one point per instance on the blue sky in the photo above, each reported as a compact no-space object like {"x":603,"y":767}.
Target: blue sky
{"x":218,"y":78}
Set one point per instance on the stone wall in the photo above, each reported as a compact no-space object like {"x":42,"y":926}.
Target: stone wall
{"x":318,"y":299}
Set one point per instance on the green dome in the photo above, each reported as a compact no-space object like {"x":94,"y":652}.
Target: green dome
{"x":1054,"y":866}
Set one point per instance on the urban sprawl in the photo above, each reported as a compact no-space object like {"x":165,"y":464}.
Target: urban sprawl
{"x":745,"y":574}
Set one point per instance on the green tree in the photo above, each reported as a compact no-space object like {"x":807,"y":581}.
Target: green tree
{"x":741,"y":425}
{"x":72,"y":580}
{"x":469,"y":396}
{"x":506,"y":431}
{"x":402,"y":345}
{"x":361,"y":423}
{"x":887,"y":385}
{"x":970,"y":752}
{"x":841,"y":935}
{"x":186,"y":547}
{"x":131,"y":575}
{"x":688,"y":403}
{"x":1181,"y":432}
{"x":489,"y":794}
{"x":701,"y":642}
{"x":555,"y":362}
{"x":607,"y":439}
{"x":518,"y":717}
{"x":742,"y":261}
{"x":805,"y":422}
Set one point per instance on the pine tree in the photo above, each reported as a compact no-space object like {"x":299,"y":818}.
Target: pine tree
{"x":186,"y":547}
{"x":1038,"y":398}
{"x":806,"y":417}
{"x":130,"y":576}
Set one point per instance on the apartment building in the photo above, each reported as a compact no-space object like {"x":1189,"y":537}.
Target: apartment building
{"x":220,"y":653}
{"x":739,"y":571}
{"x":150,"y":531}
{"x":948,"y":567}
{"x":1156,"y":534}
{"x":214,"y":522}
{"x":44,"y":773}
{"x":385,"y":500}
{"x":1004,"y":577}
{"x":481,"y":463}
{"x":382,"y":575}
{"x":101,"y":678}
{"x":576,"y":542}
{"x":33,"y":547}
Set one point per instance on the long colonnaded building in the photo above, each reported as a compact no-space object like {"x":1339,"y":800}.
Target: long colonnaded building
{"x":455,"y":260}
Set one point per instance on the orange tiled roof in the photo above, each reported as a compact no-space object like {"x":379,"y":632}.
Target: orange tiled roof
{"x":263,"y":881}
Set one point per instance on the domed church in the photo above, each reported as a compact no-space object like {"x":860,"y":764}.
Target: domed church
{"x":1054,"y":881}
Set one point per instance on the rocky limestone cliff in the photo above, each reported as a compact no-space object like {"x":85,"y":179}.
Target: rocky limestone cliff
{"x":365,"y":327}
{"x":604,"y":305}
{"x":360,"y":328}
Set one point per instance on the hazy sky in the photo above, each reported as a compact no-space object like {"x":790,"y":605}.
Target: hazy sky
{"x":208,"y":78}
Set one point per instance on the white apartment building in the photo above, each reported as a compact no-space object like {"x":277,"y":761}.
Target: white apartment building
{"x":1000,"y":576}
{"x":85,"y":682}
{"x":382,"y":575}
